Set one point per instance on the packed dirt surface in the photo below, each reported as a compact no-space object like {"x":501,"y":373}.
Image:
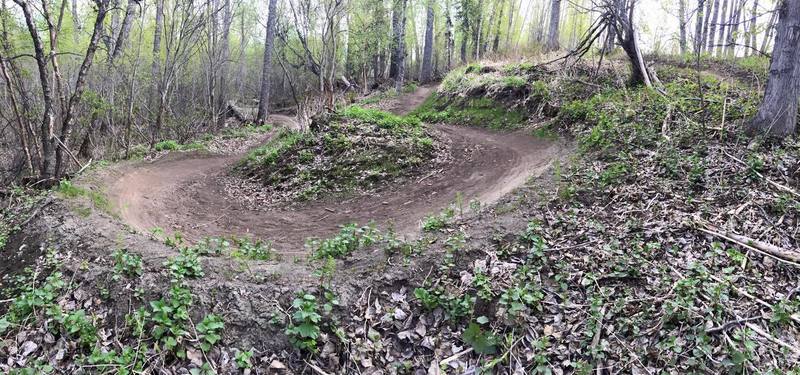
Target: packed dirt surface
{"x":183,"y":192}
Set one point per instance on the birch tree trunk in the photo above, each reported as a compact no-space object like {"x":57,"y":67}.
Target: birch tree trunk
{"x":751,"y":33}
{"x":263,"y":100}
{"x":777,"y":114}
{"x":124,"y":31}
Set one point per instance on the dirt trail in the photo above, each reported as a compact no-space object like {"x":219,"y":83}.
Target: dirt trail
{"x":183,"y":192}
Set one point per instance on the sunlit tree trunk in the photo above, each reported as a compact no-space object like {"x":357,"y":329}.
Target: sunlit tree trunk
{"x":777,"y":115}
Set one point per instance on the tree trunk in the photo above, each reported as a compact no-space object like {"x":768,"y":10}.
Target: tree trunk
{"x":751,"y":33}
{"x":47,"y":169}
{"x":698,"y":27}
{"x":769,"y":29}
{"x":124,"y":30}
{"x":76,"y":22}
{"x":712,"y":28}
{"x":723,"y":22}
{"x":396,"y":31}
{"x":426,"y":73}
{"x":706,"y":20}
{"x":496,"y":42}
{"x":263,"y":102}
{"x":552,"y":31}
{"x":448,"y":34}
{"x":736,"y":13}
{"x":510,"y":23}
{"x":80,"y":84}
{"x":777,"y":115}
{"x":400,"y":47}
{"x":682,"y":25}
{"x":227,"y":19}
{"x":155,"y":91}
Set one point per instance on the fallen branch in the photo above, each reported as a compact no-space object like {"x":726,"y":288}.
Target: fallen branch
{"x":773,"y":183}
{"x":772,"y":251}
{"x":773,"y":339}
{"x":794,"y":317}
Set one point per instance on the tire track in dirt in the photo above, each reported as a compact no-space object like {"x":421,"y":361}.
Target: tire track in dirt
{"x":183,"y":192}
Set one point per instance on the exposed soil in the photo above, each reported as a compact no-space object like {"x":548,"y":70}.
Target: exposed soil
{"x":184,"y":192}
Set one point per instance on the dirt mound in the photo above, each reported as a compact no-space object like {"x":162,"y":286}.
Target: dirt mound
{"x":355,"y":149}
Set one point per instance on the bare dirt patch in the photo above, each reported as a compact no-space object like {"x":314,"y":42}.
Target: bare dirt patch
{"x":185,"y":192}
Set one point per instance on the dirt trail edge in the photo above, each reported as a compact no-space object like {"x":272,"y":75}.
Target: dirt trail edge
{"x":183,"y":192}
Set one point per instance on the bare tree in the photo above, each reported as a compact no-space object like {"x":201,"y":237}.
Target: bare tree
{"x":777,"y":114}
{"x":266,"y":71}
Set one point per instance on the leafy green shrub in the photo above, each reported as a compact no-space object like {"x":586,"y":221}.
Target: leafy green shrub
{"x":170,"y":318}
{"x":250,"y":249}
{"x":168,"y":145}
{"x":350,"y":238}
{"x":438,"y":222}
{"x":483,"y":342}
{"x":127,"y":264}
{"x":209,"y":329}
{"x":303,"y":329}
{"x":270,"y":152}
{"x":185,"y":264}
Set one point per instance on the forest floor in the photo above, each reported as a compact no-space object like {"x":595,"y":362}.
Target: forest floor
{"x":187,"y":193}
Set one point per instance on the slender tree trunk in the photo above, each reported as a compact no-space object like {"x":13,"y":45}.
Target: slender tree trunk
{"x":511,"y":15}
{"x":736,"y":14}
{"x":769,"y":29}
{"x":227,"y":19}
{"x":698,"y":27}
{"x":751,"y":33}
{"x":76,"y":22}
{"x":496,"y":42}
{"x":552,"y":31}
{"x":400,"y":47}
{"x":706,"y":20}
{"x":712,"y":27}
{"x":80,"y":84}
{"x":23,"y":135}
{"x":48,"y":116}
{"x":124,"y":31}
{"x":777,"y":115}
{"x":397,"y":23}
{"x":427,"y":54}
{"x":723,"y":22}
{"x":682,"y":25}
{"x":155,"y":70}
{"x":448,"y":34}
{"x":266,"y":71}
